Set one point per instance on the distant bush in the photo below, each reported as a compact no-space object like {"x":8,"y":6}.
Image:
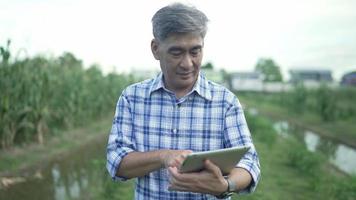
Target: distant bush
{"x":344,"y":188}
{"x":297,"y":99}
{"x":303,"y":160}
{"x":335,"y":187}
{"x":107,"y":189}
{"x":326,"y":103}
{"x":330,"y":104}
{"x":261,"y":129}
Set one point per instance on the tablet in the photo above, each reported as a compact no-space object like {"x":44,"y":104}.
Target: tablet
{"x":225,"y":159}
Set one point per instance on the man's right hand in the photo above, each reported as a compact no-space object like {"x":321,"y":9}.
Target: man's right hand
{"x":174,"y":158}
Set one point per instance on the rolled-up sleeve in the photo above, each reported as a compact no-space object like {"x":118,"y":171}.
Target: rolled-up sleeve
{"x":121,"y":138}
{"x":237,"y":133}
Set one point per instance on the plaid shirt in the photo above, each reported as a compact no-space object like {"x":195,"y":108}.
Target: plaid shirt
{"x":149,"y":117}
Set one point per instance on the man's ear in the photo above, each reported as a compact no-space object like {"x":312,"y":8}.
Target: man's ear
{"x":154,"y":49}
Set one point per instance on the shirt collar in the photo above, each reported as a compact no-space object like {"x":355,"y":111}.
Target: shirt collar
{"x":202,"y":86}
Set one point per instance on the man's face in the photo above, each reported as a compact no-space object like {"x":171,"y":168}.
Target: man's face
{"x":180,"y":57}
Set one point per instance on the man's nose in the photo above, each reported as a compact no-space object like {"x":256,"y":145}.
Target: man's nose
{"x":186,"y":61}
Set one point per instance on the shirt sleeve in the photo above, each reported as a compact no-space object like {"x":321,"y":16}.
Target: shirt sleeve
{"x":121,"y":138}
{"x":238,"y":134}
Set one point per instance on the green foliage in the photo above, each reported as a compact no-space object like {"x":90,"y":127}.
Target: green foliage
{"x":345,"y":189}
{"x":329,"y":104}
{"x":334,"y":187}
{"x":107,"y":189}
{"x":40,"y":95}
{"x":261,"y":129}
{"x":269,"y":69}
{"x":343,"y":99}
{"x":297,"y":98}
{"x":325,"y":106}
{"x":290,"y":171}
{"x":208,"y":65}
{"x":303,"y":160}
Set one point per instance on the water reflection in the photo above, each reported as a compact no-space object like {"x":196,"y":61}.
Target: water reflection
{"x":252,"y":111}
{"x":311,"y":140}
{"x":282,"y":128}
{"x":340,"y":155}
{"x":345,"y":159}
{"x":67,"y":177}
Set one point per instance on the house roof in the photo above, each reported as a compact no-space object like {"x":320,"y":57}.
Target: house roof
{"x":310,"y":71}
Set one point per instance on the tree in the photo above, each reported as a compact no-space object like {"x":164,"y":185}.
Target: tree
{"x":208,"y":66}
{"x":269,"y":69}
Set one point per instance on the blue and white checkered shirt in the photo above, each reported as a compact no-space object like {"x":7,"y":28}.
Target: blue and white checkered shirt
{"x":149,"y":117}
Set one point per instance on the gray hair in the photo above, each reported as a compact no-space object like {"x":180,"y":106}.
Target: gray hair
{"x":178,"y":18}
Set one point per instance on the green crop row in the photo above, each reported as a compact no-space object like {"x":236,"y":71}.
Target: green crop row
{"x":39,"y":96}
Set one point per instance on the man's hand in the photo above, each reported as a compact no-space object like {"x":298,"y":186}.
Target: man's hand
{"x":174,"y":158}
{"x":208,"y":181}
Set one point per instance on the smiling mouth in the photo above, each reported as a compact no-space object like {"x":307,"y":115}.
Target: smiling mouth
{"x":185,"y":74}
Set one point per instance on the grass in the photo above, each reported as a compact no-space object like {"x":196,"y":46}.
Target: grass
{"x":20,"y":158}
{"x":106,"y":189}
{"x":279,"y":181}
{"x":289,"y":171}
{"x":341,"y":131}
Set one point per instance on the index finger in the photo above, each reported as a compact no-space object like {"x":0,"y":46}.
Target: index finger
{"x":210,"y":165}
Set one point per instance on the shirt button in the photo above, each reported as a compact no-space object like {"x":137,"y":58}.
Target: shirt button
{"x":174,"y":131}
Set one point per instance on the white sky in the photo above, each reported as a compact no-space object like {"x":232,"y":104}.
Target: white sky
{"x":318,"y":34}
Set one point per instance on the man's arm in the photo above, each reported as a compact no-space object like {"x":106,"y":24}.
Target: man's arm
{"x":241,"y":177}
{"x":137,"y":164}
{"x":123,"y":161}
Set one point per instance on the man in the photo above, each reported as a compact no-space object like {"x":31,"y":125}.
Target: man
{"x":160,"y":121}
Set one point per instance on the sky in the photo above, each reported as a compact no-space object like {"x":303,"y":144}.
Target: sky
{"x":303,"y":34}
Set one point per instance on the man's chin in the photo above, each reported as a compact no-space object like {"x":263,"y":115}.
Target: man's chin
{"x":187,"y":81}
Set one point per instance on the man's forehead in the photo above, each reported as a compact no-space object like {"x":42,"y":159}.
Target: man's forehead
{"x":183,"y":41}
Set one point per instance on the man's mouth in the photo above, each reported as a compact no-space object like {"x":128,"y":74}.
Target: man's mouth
{"x":184,"y":73}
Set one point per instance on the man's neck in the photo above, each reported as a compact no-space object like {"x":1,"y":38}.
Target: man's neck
{"x":179,"y":92}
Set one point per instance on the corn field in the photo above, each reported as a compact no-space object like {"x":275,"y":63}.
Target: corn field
{"x":39,"y":96}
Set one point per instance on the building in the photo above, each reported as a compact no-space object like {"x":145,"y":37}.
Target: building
{"x":349,"y":79}
{"x":311,"y":77}
{"x":246,"y":81}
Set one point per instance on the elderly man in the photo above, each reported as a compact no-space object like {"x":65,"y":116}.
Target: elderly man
{"x":158,"y":122}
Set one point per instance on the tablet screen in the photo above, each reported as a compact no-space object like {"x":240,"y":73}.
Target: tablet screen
{"x":225,"y":159}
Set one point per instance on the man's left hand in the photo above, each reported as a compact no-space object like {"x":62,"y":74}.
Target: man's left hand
{"x":208,"y":181}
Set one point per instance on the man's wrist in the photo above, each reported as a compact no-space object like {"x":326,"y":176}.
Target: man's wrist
{"x":162,"y":157}
{"x":232,"y":185}
{"x":230,"y":188}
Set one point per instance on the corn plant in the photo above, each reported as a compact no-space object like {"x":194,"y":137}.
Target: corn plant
{"x":39,"y":95}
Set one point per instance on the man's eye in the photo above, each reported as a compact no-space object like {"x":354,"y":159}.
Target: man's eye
{"x":195,"y":52}
{"x":176,"y":52}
